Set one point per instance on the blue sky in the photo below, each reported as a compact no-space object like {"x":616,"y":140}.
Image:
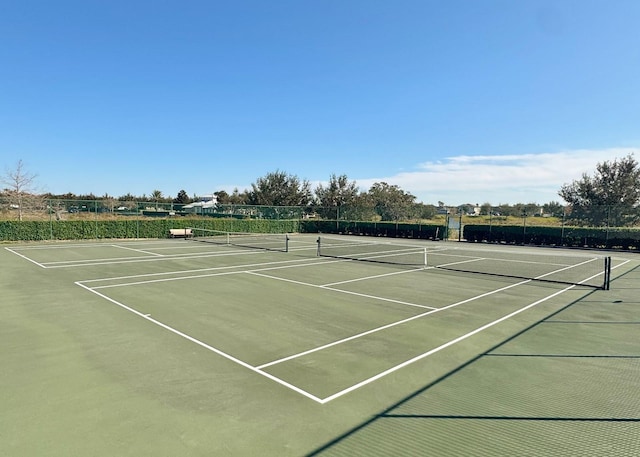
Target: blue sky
{"x":462,"y":101}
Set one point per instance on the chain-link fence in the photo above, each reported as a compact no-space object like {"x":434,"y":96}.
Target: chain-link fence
{"x":593,"y":226}
{"x":50,"y":219}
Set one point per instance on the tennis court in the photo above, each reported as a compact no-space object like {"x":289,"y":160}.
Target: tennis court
{"x":318,"y":346}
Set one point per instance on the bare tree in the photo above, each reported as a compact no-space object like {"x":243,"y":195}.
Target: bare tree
{"x":19,"y":184}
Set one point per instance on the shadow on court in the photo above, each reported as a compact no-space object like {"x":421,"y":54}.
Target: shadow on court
{"x":565,"y":385}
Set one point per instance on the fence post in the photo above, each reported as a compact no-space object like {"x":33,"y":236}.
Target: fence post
{"x":606,"y":236}
{"x":138,"y":221}
{"x":490,"y":223}
{"x":50,"y":209}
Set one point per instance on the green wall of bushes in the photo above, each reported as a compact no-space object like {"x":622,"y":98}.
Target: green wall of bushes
{"x":620,"y":238}
{"x":389,"y":229}
{"x":159,"y":228}
{"x":132,"y":228}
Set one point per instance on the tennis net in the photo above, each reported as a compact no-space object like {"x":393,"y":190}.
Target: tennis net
{"x":267,"y":241}
{"x":372,"y":251}
{"x":556,"y":267}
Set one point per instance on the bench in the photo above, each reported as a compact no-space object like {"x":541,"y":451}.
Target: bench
{"x":180,"y":233}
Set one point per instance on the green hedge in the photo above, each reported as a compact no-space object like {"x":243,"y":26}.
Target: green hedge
{"x":159,"y":228}
{"x":592,"y":237}
{"x":388,"y":229}
{"x":245,"y":225}
{"x":620,"y":238}
{"x":131,"y":228}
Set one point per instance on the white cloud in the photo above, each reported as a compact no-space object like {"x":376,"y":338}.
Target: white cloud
{"x":514,"y":178}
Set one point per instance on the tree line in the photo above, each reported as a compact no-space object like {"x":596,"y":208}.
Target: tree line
{"x":610,"y":196}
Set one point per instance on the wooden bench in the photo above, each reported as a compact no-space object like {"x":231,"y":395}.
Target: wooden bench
{"x":180,"y":233}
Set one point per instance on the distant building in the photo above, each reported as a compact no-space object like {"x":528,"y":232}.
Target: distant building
{"x":206,"y":205}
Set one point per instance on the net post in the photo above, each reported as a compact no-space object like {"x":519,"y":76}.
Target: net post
{"x":318,"y":248}
{"x":607,"y":273}
{"x":286,"y":243}
{"x":425,"y":258}
{"x":228,"y":239}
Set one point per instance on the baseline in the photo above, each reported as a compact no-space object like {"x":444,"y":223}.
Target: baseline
{"x":25,"y":258}
{"x":204,"y":345}
{"x":432,"y":311}
{"x":260,"y":369}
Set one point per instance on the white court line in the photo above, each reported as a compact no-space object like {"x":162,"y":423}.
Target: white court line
{"x":61,"y":246}
{"x":275,"y":265}
{"x":239,"y":268}
{"x":151,"y":281}
{"x":358,"y":385}
{"x":456,"y":340}
{"x":338,"y":290}
{"x":137,"y":250}
{"x":101,"y":261}
{"x":572,"y":266}
{"x":182,"y":245}
{"x":124,"y":260}
{"x":204,"y":345}
{"x":394,"y":273}
{"x":25,"y":257}
{"x":466,"y":256}
{"x":413,"y":270}
{"x":384,"y":327}
{"x":439,"y":348}
{"x":434,"y":310}
{"x":317,"y":261}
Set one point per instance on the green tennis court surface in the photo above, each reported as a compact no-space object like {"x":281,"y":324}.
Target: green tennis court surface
{"x":176,"y":347}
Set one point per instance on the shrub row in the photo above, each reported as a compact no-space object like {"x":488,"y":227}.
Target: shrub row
{"x":618,"y":238}
{"x":388,"y":229}
{"x":131,"y":228}
{"x":621,"y":238}
{"x":159,"y":228}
